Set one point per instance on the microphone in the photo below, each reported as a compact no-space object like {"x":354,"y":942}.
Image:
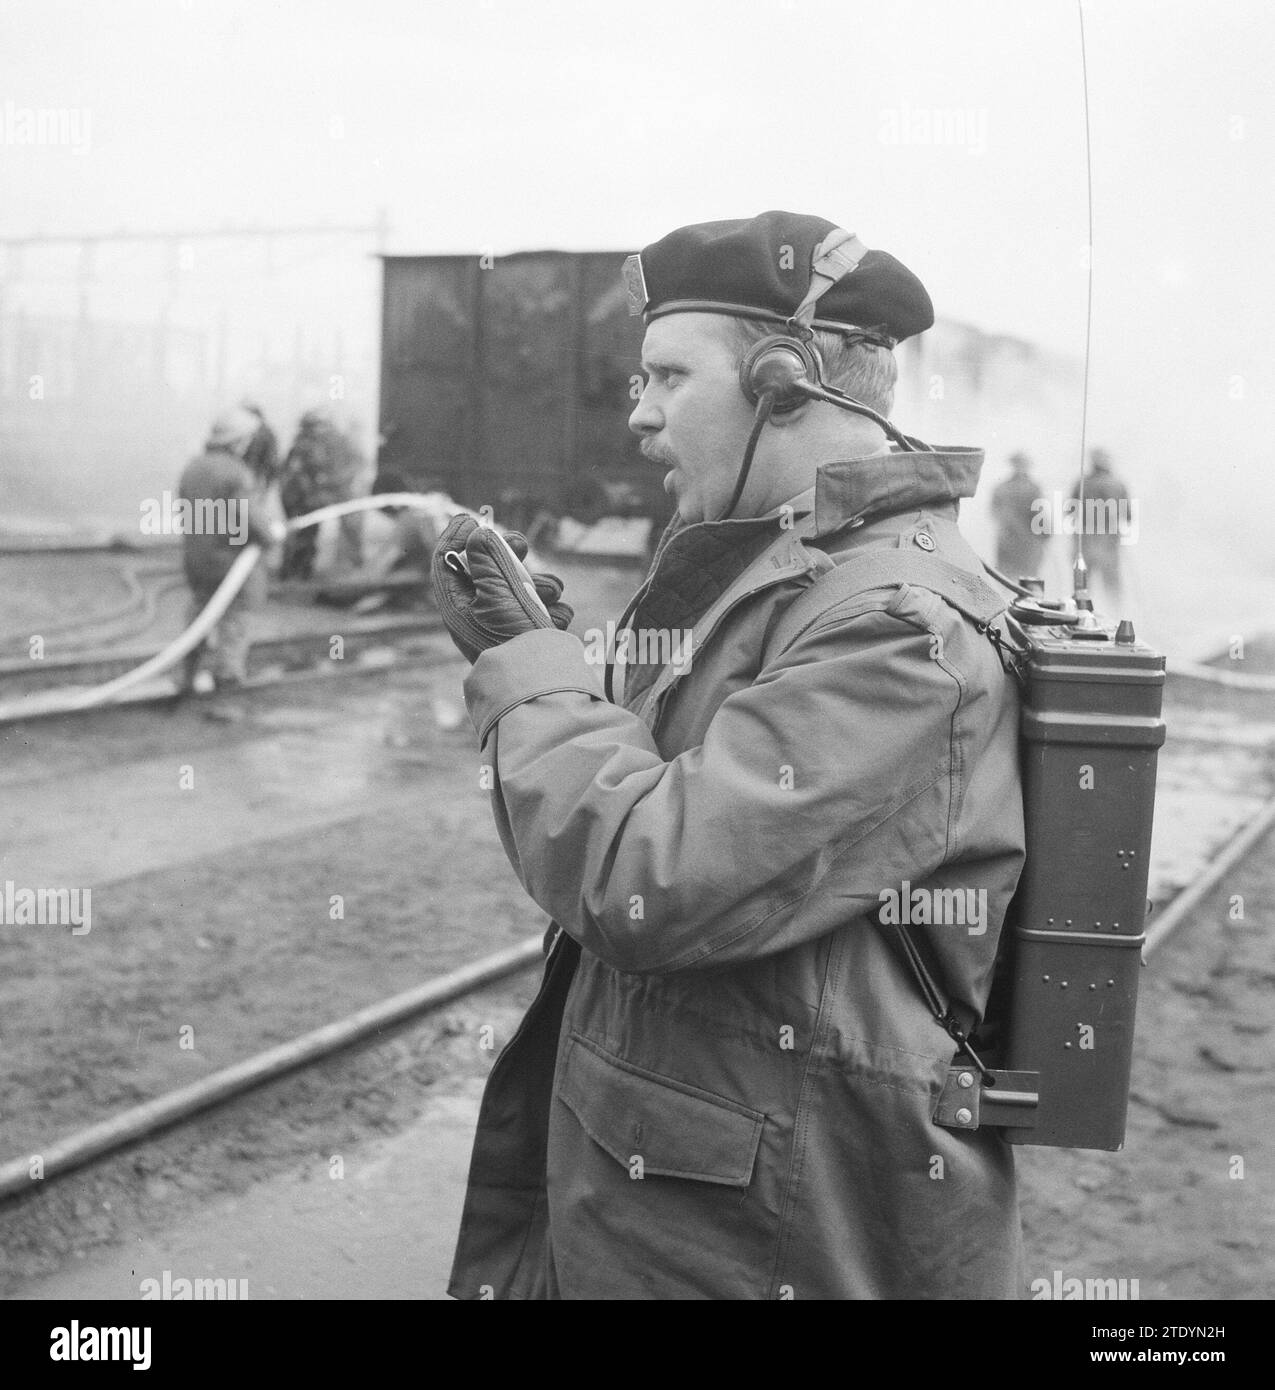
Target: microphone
{"x":808,"y":390}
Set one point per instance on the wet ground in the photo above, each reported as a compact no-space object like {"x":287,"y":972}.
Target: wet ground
{"x":255,"y":876}
{"x":346,"y":1181}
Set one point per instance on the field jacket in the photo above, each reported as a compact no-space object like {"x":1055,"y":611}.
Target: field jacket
{"x":227,"y":514}
{"x":725,"y":1087}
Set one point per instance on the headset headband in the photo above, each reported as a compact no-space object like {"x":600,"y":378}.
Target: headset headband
{"x":836,"y":256}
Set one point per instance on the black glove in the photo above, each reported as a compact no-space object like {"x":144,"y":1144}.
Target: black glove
{"x":484,"y":593}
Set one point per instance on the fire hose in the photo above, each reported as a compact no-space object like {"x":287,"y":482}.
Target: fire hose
{"x":236,"y":577}
{"x":67,"y":701}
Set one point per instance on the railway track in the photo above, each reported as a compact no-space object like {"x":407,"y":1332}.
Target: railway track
{"x":270,"y":659}
{"x":140,"y":1122}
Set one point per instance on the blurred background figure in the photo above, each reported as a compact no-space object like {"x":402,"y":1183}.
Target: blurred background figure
{"x":265,"y":464}
{"x":396,"y":568}
{"x":322,"y":467}
{"x":1105,"y":507}
{"x":213,"y":539}
{"x":262,"y":455}
{"x":359,"y":470}
{"x":1016,"y":503}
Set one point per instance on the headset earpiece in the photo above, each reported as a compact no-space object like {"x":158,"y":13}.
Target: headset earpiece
{"x":774,"y":365}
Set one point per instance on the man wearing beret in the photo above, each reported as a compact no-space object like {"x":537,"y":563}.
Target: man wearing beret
{"x":729,"y":1084}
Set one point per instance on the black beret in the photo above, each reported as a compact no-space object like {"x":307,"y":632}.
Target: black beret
{"x":760,"y":268}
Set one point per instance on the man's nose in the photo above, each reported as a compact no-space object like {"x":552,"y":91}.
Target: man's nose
{"x":646,"y":418}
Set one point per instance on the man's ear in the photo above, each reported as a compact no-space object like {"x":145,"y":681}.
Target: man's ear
{"x":796,"y":416}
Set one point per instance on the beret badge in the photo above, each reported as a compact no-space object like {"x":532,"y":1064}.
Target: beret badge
{"x":635,"y":284}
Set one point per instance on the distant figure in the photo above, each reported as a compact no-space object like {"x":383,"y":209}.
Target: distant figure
{"x":1106,"y":505}
{"x":397,"y":572}
{"x":416,"y":529}
{"x":225,"y":514}
{"x":408,"y":551}
{"x":262,"y":455}
{"x":360,"y":472}
{"x":322,"y":467}
{"x":1020,"y":549}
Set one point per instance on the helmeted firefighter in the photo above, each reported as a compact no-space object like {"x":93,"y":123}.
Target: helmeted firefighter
{"x":726,"y":1085}
{"x":227,"y":512}
{"x":323,"y":466}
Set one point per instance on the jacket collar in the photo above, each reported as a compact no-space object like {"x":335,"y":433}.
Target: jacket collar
{"x":741,"y":531}
{"x":863,"y":489}
{"x":878,"y":485}
{"x":699,"y":565}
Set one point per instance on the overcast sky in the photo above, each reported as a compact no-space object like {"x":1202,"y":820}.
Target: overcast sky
{"x":951,"y":134}
{"x":488,"y":123}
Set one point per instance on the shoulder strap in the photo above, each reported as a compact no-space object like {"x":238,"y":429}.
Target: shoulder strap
{"x":879,"y":567}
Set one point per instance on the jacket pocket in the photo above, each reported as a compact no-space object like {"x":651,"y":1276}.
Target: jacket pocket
{"x":678,"y":1131}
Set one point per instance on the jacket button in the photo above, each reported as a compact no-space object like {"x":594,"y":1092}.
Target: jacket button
{"x":964,"y":1117}
{"x":924,"y":540}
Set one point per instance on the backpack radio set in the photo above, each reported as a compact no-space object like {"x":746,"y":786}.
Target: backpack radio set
{"x":1062,"y":1010}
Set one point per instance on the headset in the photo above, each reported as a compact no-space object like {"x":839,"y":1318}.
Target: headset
{"x":783,"y":371}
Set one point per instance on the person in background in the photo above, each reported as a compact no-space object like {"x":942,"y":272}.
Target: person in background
{"x":225,"y":514}
{"x":262,"y":455}
{"x":1106,"y":502}
{"x":1020,"y":547}
{"x":416,"y":530}
{"x":321,"y":468}
{"x":396,"y":572}
{"x":358,"y":472}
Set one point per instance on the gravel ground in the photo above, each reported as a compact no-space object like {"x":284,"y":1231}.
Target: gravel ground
{"x":241,"y":946}
{"x":1174,"y":1209}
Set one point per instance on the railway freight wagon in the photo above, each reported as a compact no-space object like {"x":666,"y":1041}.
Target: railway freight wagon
{"x":506,"y":381}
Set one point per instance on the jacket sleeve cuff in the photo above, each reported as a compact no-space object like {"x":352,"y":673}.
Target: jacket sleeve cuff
{"x":524,"y":668}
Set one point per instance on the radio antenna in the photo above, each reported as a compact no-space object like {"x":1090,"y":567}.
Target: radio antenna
{"x":1079,"y":573}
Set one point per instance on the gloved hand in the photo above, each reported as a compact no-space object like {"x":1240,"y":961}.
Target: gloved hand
{"x":484,"y":593}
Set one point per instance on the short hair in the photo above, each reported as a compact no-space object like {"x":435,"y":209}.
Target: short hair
{"x":862,"y":369}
